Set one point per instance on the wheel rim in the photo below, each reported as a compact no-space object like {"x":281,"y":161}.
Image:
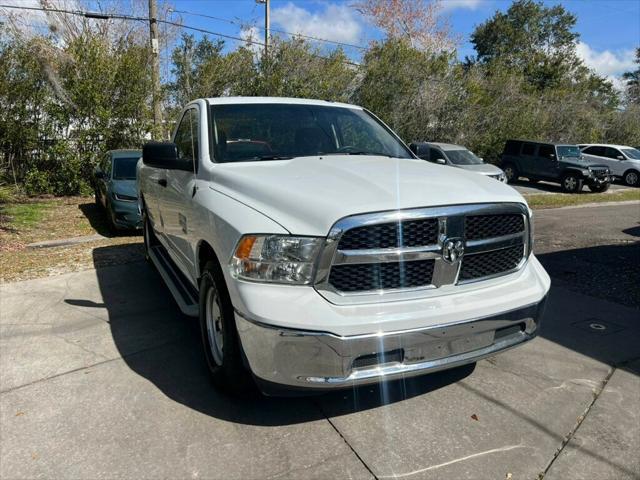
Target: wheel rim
{"x":509,"y":173}
{"x":632,"y":178}
{"x":214,"y":326}
{"x":570,"y":183}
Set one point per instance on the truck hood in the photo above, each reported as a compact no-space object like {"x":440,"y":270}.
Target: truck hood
{"x":307,"y":195}
{"x":483,"y":168}
{"x":586,"y":163}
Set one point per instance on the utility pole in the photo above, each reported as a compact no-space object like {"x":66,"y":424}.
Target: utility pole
{"x":267,"y":24}
{"x":155,"y":70}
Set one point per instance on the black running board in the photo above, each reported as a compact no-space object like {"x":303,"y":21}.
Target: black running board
{"x":183,"y":292}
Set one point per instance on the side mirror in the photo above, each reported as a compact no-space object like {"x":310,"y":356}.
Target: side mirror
{"x":441,"y":161}
{"x":620,"y":157}
{"x":552,"y":156}
{"x":164,"y":155}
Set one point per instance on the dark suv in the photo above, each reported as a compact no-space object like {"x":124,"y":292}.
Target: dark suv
{"x":559,"y":163}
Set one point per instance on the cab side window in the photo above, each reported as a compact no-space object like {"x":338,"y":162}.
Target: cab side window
{"x":186,"y":137}
{"x":528,"y":149}
{"x":546,"y":151}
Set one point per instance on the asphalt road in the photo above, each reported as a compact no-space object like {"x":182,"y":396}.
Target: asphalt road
{"x":526,"y":187}
{"x":102,"y":377}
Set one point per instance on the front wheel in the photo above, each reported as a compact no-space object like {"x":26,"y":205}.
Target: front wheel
{"x":220,"y":339}
{"x":571,"y":183}
{"x":632,"y":178}
{"x":599,"y":188}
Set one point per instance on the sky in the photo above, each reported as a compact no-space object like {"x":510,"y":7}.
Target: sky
{"x":609,"y":29}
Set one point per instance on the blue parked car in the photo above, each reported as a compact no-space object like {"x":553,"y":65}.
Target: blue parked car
{"x":116,"y":190}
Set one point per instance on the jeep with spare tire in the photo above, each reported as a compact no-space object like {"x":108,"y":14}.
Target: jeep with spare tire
{"x":558,"y":163}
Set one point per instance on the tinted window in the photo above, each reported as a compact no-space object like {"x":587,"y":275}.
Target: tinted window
{"x":435,"y":154}
{"x":528,"y":149}
{"x":512,"y":148}
{"x":546,"y":151}
{"x":598,"y":151}
{"x":612,"y":153}
{"x":124,"y":168}
{"x":298,"y":130}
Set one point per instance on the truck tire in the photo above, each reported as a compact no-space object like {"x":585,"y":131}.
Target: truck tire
{"x":599,"y":189}
{"x":222,"y":349}
{"x":631,"y":178}
{"x":571,"y":183}
{"x":511,"y":172}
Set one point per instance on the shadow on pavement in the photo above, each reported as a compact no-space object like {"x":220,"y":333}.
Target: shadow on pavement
{"x":159,"y":343}
{"x":164,"y":346}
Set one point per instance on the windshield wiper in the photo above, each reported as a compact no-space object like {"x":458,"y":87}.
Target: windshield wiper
{"x":271,"y":157}
{"x":360,"y":152}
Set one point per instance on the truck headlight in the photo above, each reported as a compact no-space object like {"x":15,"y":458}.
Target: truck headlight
{"x":276,"y":258}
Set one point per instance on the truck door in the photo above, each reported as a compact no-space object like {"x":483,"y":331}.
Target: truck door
{"x":547,"y":162}
{"x":177,"y":198}
{"x":527,"y":160}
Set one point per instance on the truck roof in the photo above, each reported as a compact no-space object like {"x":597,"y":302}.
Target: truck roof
{"x":293,"y":101}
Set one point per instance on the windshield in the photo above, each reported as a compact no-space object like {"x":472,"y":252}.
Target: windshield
{"x":254,"y":132}
{"x":463,"y":157}
{"x":569,"y":151}
{"x":631,"y":153}
{"x":124,"y":168}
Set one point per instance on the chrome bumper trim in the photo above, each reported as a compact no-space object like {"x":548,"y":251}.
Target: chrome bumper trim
{"x":320,"y":360}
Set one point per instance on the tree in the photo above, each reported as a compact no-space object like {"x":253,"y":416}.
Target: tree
{"x":418,"y":21}
{"x":533,"y":39}
{"x":632,"y":80}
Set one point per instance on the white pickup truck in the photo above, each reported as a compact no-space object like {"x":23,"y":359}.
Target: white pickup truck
{"x":318,"y":252}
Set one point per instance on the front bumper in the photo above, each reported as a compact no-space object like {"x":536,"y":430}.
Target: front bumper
{"x":318,"y":360}
{"x":126,"y":214}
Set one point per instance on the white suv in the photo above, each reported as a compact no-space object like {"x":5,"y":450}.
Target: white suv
{"x":623,"y":161}
{"x":318,"y":252}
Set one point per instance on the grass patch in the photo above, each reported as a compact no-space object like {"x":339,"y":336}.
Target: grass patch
{"x":554,"y":200}
{"x":28,"y":220}
{"x":22,"y":216}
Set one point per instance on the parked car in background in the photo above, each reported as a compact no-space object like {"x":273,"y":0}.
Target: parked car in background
{"x":116,"y":190}
{"x":558,"y":163}
{"x":623,"y":161}
{"x":319,"y":253}
{"x":455,"y":156}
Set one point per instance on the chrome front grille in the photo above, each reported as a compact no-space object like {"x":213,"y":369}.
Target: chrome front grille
{"x":405,"y":233}
{"x":488,"y":264}
{"x":401,"y":253}
{"x":477,"y":227}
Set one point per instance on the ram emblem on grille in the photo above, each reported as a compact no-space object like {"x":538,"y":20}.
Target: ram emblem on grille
{"x":452,"y":250}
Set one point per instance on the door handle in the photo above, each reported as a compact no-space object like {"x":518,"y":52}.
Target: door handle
{"x":162,"y":182}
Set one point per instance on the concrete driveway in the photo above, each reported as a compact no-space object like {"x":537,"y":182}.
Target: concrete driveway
{"x":102,"y":377}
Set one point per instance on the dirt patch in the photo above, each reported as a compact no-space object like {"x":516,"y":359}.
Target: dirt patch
{"x":45,"y":219}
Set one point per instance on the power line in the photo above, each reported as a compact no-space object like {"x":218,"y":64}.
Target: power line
{"x":117,"y":16}
{"x":240,"y":24}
